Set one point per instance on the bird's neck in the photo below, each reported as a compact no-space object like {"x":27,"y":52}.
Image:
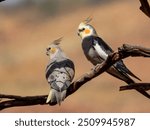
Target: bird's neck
{"x":86,"y":36}
{"x":57,"y":56}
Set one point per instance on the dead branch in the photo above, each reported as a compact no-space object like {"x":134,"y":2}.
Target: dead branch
{"x":144,"y":86}
{"x":145,"y":8}
{"x":2,"y":0}
{"x":123,"y":52}
{"x":21,"y":101}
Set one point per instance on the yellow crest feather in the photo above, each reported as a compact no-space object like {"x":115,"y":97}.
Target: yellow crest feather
{"x":57,"y":41}
{"x":87,"y":20}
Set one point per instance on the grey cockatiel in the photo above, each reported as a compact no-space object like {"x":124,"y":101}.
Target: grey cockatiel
{"x":59,"y":73}
{"x":97,"y":50}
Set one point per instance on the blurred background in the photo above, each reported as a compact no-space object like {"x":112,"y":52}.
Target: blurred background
{"x":28,"y":26}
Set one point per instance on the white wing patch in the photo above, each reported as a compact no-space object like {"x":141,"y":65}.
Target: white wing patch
{"x":100,"y":51}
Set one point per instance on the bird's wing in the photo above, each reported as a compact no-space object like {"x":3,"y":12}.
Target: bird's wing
{"x":60,"y":71}
{"x":59,"y":75}
{"x":104,"y":50}
{"x":122,"y":68}
{"x":101,"y":47}
{"x":69,"y":69}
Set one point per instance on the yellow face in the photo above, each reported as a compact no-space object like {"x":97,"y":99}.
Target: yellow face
{"x":51,"y":50}
{"x":85,"y":30}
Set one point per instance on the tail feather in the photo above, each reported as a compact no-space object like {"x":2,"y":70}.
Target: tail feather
{"x":121,"y":67}
{"x":131,"y":74}
{"x":56,"y":96}
{"x":143,"y":92}
{"x":63,"y":95}
{"x":120,"y":73}
{"x":49,"y":96}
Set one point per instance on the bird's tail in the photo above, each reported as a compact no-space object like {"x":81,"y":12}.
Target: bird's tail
{"x":123,"y":76}
{"x":56,"y":96}
{"x":142,"y":91}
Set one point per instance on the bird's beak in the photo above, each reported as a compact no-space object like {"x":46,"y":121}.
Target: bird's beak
{"x":47,"y":52}
{"x":78,"y":33}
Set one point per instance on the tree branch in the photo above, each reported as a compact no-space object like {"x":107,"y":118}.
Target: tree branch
{"x":2,"y":0}
{"x":21,"y":101}
{"x":145,"y":8}
{"x":144,"y":86}
{"x":123,"y":52}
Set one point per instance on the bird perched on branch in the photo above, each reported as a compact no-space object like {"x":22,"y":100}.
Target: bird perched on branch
{"x":96,"y":51}
{"x":59,"y":72}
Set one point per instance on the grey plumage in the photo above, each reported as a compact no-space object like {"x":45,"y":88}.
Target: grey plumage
{"x":96,"y":51}
{"x":118,"y":70}
{"x":59,"y":73}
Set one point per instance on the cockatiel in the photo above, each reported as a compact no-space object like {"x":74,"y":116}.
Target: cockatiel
{"x":59,"y":72}
{"x":97,"y":50}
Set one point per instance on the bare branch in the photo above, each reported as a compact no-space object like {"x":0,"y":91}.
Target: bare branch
{"x":21,"y":101}
{"x":143,"y":86}
{"x":2,"y":0}
{"x":145,"y":8}
{"x":123,"y":52}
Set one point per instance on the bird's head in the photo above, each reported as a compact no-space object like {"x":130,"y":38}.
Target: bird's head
{"x":85,"y":29}
{"x":53,"y":49}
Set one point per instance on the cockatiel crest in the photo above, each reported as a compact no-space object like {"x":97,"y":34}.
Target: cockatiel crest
{"x":59,"y":72}
{"x":85,"y":29}
{"x":57,"y":41}
{"x":97,"y":50}
{"x":87,"y":20}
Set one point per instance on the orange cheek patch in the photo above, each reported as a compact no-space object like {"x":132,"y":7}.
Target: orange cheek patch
{"x":87,"y":31}
{"x":53,"y":50}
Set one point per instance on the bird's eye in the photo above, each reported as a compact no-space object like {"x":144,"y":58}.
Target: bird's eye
{"x":49,"y":48}
{"x":81,"y":30}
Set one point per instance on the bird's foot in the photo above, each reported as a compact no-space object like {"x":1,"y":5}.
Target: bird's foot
{"x":95,"y":68}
